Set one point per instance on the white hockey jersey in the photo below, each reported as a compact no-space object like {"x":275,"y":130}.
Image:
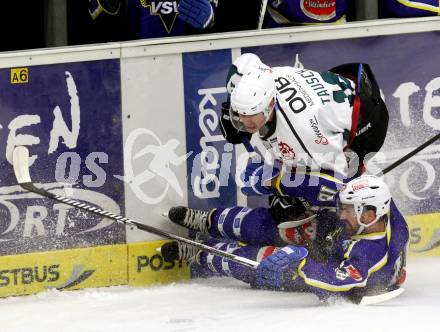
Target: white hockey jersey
{"x":313,"y":119}
{"x":313,"y":115}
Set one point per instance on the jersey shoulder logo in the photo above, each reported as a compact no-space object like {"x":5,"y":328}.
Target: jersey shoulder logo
{"x":353,"y":273}
{"x":343,"y":272}
{"x":286,"y":151}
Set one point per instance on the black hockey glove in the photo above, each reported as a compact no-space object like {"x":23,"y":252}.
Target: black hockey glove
{"x":329,"y":234}
{"x":285,"y":208}
{"x":229,"y":132}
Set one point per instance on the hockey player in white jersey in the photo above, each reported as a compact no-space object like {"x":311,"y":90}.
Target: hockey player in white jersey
{"x":306,"y":118}
{"x":308,"y":121}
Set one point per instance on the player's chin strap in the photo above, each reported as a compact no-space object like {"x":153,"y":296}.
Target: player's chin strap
{"x":363,"y":226}
{"x":268,"y":113}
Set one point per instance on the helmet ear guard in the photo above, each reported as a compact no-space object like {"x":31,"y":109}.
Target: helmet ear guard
{"x":366,"y":192}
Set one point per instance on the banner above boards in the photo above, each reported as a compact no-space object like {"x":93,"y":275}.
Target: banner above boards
{"x":66,"y":114}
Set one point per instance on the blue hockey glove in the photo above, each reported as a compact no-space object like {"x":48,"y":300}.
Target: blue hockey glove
{"x":255,"y":176}
{"x":198,"y":13}
{"x":277,"y":270}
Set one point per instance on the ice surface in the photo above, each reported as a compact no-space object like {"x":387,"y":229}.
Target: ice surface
{"x":223,"y":304}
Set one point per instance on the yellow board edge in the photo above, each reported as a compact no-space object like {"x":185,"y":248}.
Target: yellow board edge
{"x":134,"y":264}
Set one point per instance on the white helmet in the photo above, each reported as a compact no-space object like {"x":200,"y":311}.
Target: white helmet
{"x":241,"y":65}
{"x":253,"y":95}
{"x":366,"y":190}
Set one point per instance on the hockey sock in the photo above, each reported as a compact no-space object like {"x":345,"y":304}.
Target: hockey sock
{"x":252,"y":226}
{"x":224,"y":267}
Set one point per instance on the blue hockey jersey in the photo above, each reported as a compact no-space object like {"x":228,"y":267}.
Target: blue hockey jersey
{"x":315,"y":189}
{"x":366,"y":263}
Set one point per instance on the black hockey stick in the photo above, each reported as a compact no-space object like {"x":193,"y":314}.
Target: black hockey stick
{"x":409,"y":155}
{"x":21,"y":170}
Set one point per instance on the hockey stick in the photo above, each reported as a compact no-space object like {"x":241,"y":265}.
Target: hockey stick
{"x":20,"y":161}
{"x":262,"y":14}
{"x":409,"y":155}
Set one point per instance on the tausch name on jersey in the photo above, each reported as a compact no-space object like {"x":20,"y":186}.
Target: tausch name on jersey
{"x":313,"y":112}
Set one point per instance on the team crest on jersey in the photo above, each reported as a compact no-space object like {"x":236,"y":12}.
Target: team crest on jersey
{"x":293,"y":236}
{"x":166,"y":10}
{"x":286,"y":151}
{"x":344,"y":272}
{"x":353,"y":273}
{"x":321,"y":10}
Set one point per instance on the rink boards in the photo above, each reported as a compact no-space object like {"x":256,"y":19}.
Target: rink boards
{"x":133,"y":128}
{"x":134,"y":264}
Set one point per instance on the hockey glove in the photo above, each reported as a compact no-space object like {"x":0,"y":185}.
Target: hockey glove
{"x":279,"y":269}
{"x":230,"y":133}
{"x":285,"y":208}
{"x":255,"y":177}
{"x":197,"y":13}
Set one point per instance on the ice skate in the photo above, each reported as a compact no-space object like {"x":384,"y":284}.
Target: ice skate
{"x":174,"y":250}
{"x":190,"y":218}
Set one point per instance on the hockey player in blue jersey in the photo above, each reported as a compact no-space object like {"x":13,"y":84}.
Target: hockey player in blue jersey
{"x":370,"y":258}
{"x":366,"y":252}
